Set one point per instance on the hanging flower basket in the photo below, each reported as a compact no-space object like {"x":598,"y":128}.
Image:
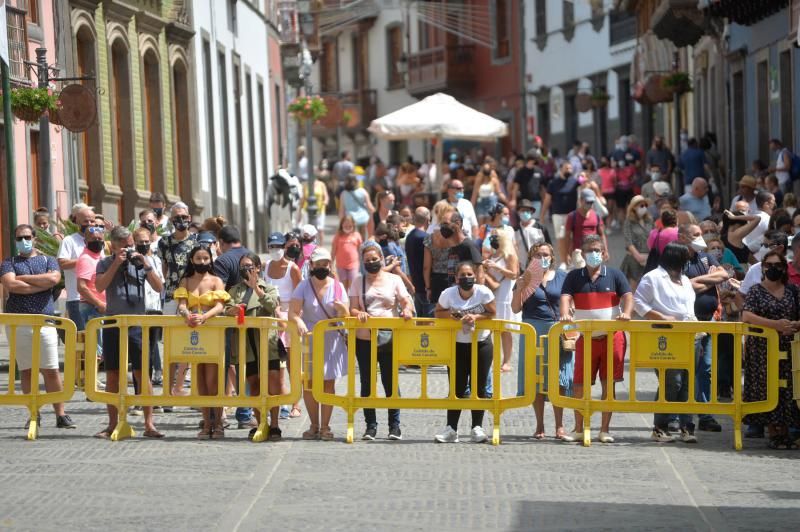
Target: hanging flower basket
{"x":55,"y":116}
{"x":677,"y":82}
{"x":600,"y":98}
{"x":308,"y":108}
{"x":29,"y":104}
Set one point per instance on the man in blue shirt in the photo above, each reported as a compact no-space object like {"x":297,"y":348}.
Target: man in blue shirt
{"x":415,"y":253}
{"x":693,"y":163}
{"x":561,"y":197}
{"x":696,"y":200}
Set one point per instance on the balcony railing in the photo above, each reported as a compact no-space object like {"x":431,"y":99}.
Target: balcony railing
{"x":441,"y":68}
{"x":622,"y":27}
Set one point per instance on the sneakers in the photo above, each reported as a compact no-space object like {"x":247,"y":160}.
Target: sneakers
{"x":478,"y":435}
{"x":248,"y":423}
{"x":284,"y":412}
{"x":158,"y":378}
{"x":572,"y":437}
{"x":64,"y":422}
{"x":370,"y":434}
{"x":605,"y":437}
{"x":394,"y":433}
{"x":447,"y":435}
{"x":136,"y":411}
{"x":661,"y":436}
{"x":687,"y":434}
{"x":709,"y":425}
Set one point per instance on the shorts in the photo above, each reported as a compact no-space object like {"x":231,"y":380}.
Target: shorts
{"x":600,"y":358}
{"x":346,"y":274}
{"x":48,"y":347}
{"x":623,"y":197}
{"x":251,"y":368}
{"x":560,"y":225}
{"x":111,"y":348}
{"x":485,"y":205}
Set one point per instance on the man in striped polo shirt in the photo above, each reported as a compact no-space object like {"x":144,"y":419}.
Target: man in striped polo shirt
{"x":596,"y":292}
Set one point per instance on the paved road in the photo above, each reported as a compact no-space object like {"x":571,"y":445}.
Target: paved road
{"x":69,"y":481}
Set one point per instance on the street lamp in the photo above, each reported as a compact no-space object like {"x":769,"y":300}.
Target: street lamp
{"x":305,"y":75}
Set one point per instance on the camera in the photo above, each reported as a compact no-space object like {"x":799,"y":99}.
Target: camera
{"x":136,"y":261}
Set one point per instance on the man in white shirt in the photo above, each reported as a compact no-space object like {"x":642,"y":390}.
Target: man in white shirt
{"x":68,"y":252}
{"x":765,"y":202}
{"x":455,"y":196}
{"x":530,"y":232}
{"x":776,"y":240}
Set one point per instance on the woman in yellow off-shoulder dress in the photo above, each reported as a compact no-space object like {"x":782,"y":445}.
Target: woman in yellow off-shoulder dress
{"x":201,"y":295}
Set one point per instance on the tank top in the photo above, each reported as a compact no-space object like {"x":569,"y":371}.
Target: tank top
{"x":284,"y":285}
{"x":486,"y":190}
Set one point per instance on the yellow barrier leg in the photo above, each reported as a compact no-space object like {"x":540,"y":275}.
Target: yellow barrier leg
{"x":587,"y":428}
{"x":33,"y":428}
{"x":496,"y":428}
{"x":123,"y":429}
{"x":737,"y":433}
{"x":262,"y":431}
{"x":351,"y":414}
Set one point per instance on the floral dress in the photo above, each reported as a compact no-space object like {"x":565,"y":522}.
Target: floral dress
{"x":761,"y":302}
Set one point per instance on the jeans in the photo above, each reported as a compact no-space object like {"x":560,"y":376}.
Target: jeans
{"x":566,"y":362}
{"x":89,"y":312}
{"x":366,"y":373}
{"x":422,"y":306}
{"x":74,"y":313}
{"x":702,"y":385}
{"x":676,"y":389}
{"x":463,"y":371}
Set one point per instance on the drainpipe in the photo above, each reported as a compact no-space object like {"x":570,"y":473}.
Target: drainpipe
{"x":11,"y":172}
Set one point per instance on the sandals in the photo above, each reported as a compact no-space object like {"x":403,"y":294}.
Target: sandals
{"x":218,"y":433}
{"x":325,"y":434}
{"x":204,"y":434}
{"x":104,"y":434}
{"x":782,"y":442}
{"x":312,"y":433}
{"x":560,"y":433}
{"x":275,"y":434}
{"x":296,"y":412}
{"x":538,"y":435}
{"x":153,"y":433}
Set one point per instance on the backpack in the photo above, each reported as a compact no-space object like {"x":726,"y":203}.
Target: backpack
{"x":794,"y":166}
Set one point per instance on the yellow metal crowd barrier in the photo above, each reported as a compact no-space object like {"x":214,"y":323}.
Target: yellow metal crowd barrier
{"x":200,"y":345}
{"x":36,"y":398}
{"x":665,"y":345}
{"x":424,"y":343}
{"x":796,"y":368}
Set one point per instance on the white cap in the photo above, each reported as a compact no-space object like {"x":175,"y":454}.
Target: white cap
{"x":309,"y":230}
{"x":320,"y":253}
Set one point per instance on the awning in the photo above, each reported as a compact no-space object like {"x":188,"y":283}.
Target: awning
{"x":743,"y":12}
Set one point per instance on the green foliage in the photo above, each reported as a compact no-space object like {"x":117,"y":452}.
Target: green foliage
{"x":308,"y":108}
{"x":33,"y":100}
{"x":678,"y":82}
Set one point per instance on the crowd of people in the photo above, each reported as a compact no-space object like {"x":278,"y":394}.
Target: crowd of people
{"x":530,"y":244}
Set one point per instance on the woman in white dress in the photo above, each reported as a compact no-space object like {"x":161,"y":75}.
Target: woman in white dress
{"x":502,"y":268}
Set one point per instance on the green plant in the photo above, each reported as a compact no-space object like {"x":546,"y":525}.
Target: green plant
{"x":600,"y":96}
{"x":31,"y":103}
{"x":308,"y":108}
{"x":347,"y":116}
{"x":678,"y":82}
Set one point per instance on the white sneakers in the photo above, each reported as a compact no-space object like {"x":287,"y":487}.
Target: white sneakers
{"x":603,"y":437}
{"x":448,"y":435}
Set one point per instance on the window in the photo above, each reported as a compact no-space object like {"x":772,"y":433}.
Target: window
{"x":278,"y":121}
{"x":233,"y":22}
{"x":32,"y":8}
{"x":254,"y":139}
{"x":123,"y":127}
{"x":182,"y":129}
{"x":394,"y":51}
{"x":89,"y":145}
{"x":622,"y":27}
{"x":571,"y":121}
{"x":502,"y":29}
{"x":738,"y":124}
{"x":329,"y":75}
{"x":153,"y":122}
{"x":360,"y":61}
{"x":226,"y":138}
{"x":762,"y":107}
{"x":625,"y":106}
{"x":424,"y":38}
{"x":211,"y":145}
{"x":543,"y":114}
{"x":239,"y":128}
{"x":540,"y":16}
{"x":17,"y":43}
{"x":787,"y":132}
{"x":568,"y":17}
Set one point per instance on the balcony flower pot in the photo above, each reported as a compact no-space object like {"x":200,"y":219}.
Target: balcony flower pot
{"x":347,"y":117}
{"x":308,"y":108}
{"x":655,"y":92}
{"x":600,"y":99}
{"x":677,"y":83}
{"x":583,"y":102}
{"x":29,"y":104}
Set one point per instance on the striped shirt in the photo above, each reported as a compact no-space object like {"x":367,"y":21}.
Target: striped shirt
{"x":598,"y":299}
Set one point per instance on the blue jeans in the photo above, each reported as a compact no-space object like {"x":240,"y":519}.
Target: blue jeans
{"x":422,"y":306}
{"x":676,"y":389}
{"x":566,"y":362}
{"x":74,"y":313}
{"x":89,"y":312}
{"x":702,"y":385}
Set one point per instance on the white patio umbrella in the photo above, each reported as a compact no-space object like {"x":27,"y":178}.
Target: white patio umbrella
{"x":438,"y":116}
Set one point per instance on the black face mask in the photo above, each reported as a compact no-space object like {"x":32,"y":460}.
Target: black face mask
{"x":773,"y":273}
{"x":202,"y":268}
{"x":142,"y":249}
{"x":320,"y":273}
{"x":293,"y":252}
{"x":373,"y":266}
{"x":447,"y":232}
{"x":159,"y":211}
{"x":180,"y":225}
{"x":244,"y":274}
{"x":494,"y":242}
{"x":567,"y":175}
{"x":95,"y":246}
{"x":149,"y":227}
{"x":466,"y":283}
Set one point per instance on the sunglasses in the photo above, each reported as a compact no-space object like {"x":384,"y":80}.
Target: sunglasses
{"x":95,"y":229}
{"x":182,"y":219}
{"x":26,"y":237}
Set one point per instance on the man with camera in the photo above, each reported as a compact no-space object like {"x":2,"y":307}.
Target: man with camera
{"x":123,"y":276}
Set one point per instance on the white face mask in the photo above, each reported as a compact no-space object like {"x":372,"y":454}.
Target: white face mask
{"x":275,"y":254}
{"x":790,"y":211}
{"x":655,"y":176}
{"x":698,"y":244}
{"x":641,"y":211}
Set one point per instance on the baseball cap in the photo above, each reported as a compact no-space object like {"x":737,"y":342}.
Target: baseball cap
{"x":309,"y":230}
{"x":206,"y":237}
{"x":588,"y":195}
{"x":320,"y":254}
{"x":276,"y":239}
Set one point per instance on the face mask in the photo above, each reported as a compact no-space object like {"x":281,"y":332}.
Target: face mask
{"x":655,"y":176}
{"x":773,"y":273}
{"x":505,"y":220}
{"x":400,"y":235}
{"x":594,"y":259}
{"x":159,"y":211}
{"x":641,"y":211}
{"x":447,"y":232}
{"x":372,"y":266}
{"x":149,"y":227}
{"x":466,"y":283}
{"x":494,"y":242}
{"x":460,"y":195}
{"x":142,"y":249}
{"x":526,"y":216}
{"x":716,"y":253}
{"x":95,"y":246}
{"x":545,"y":262}
{"x":202,"y":268}
{"x":244,"y":274}
{"x":25,"y":247}
{"x":275,"y":254}
{"x":389,"y":205}
{"x":567,"y":175}
{"x":293,"y":252}
{"x":487,"y":171}
{"x":320,"y":273}
{"x":698,"y":244}
{"x":581,"y":180}
{"x":180,"y":225}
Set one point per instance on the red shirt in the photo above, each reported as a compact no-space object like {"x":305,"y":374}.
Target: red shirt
{"x":794,"y":277}
{"x":582,"y":226}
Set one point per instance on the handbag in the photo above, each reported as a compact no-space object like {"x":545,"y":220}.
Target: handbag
{"x":568,"y":339}
{"x":384,"y":335}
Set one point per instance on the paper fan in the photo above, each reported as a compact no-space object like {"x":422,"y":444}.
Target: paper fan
{"x":536,"y":273}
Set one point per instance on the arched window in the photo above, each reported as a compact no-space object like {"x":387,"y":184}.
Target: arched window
{"x":182,"y":131}
{"x":122,"y":121}
{"x":88,"y":144}
{"x":154,"y":141}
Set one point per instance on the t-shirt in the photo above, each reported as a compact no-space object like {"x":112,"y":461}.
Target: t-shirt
{"x":451,"y":299}
{"x":626,"y":167}
{"x":466,"y":251}
{"x":125,"y":294}
{"x":345,"y":249}
{"x":545,"y":302}
{"x":582,"y":226}
{"x":415,"y":254}
{"x":660,"y":158}
{"x":697,"y":206}
{"x":693,"y":162}
{"x":226,"y":267}
{"x":71,"y":248}
{"x":175,"y":254}
{"x":598,"y":299}
{"x":530,"y":182}
{"x":706,"y":302}
{"x":662,"y":237}
{"x":38,"y":303}
{"x":86,"y":269}
{"x":564,"y":194}
{"x":381,"y":301}
{"x":608,"y":180}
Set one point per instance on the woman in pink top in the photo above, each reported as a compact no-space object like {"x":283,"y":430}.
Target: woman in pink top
{"x":662,"y":237}
{"x":345,"y":251}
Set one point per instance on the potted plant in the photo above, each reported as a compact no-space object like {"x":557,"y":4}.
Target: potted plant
{"x":600,"y":98}
{"x":347,"y":116}
{"x":308,"y":108}
{"x":677,"y":82}
{"x":29,"y":104}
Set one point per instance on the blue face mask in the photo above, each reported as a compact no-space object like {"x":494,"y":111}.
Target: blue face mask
{"x":526,"y":216}
{"x":506,"y":220}
{"x":460,"y":195}
{"x":25,"y":246}
{"x":594,"y":259}
{"x":545,"y":261}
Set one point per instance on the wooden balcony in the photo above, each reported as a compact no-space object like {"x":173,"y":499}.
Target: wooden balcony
{"x":442,"y":69}
{"x":351,"y":111}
